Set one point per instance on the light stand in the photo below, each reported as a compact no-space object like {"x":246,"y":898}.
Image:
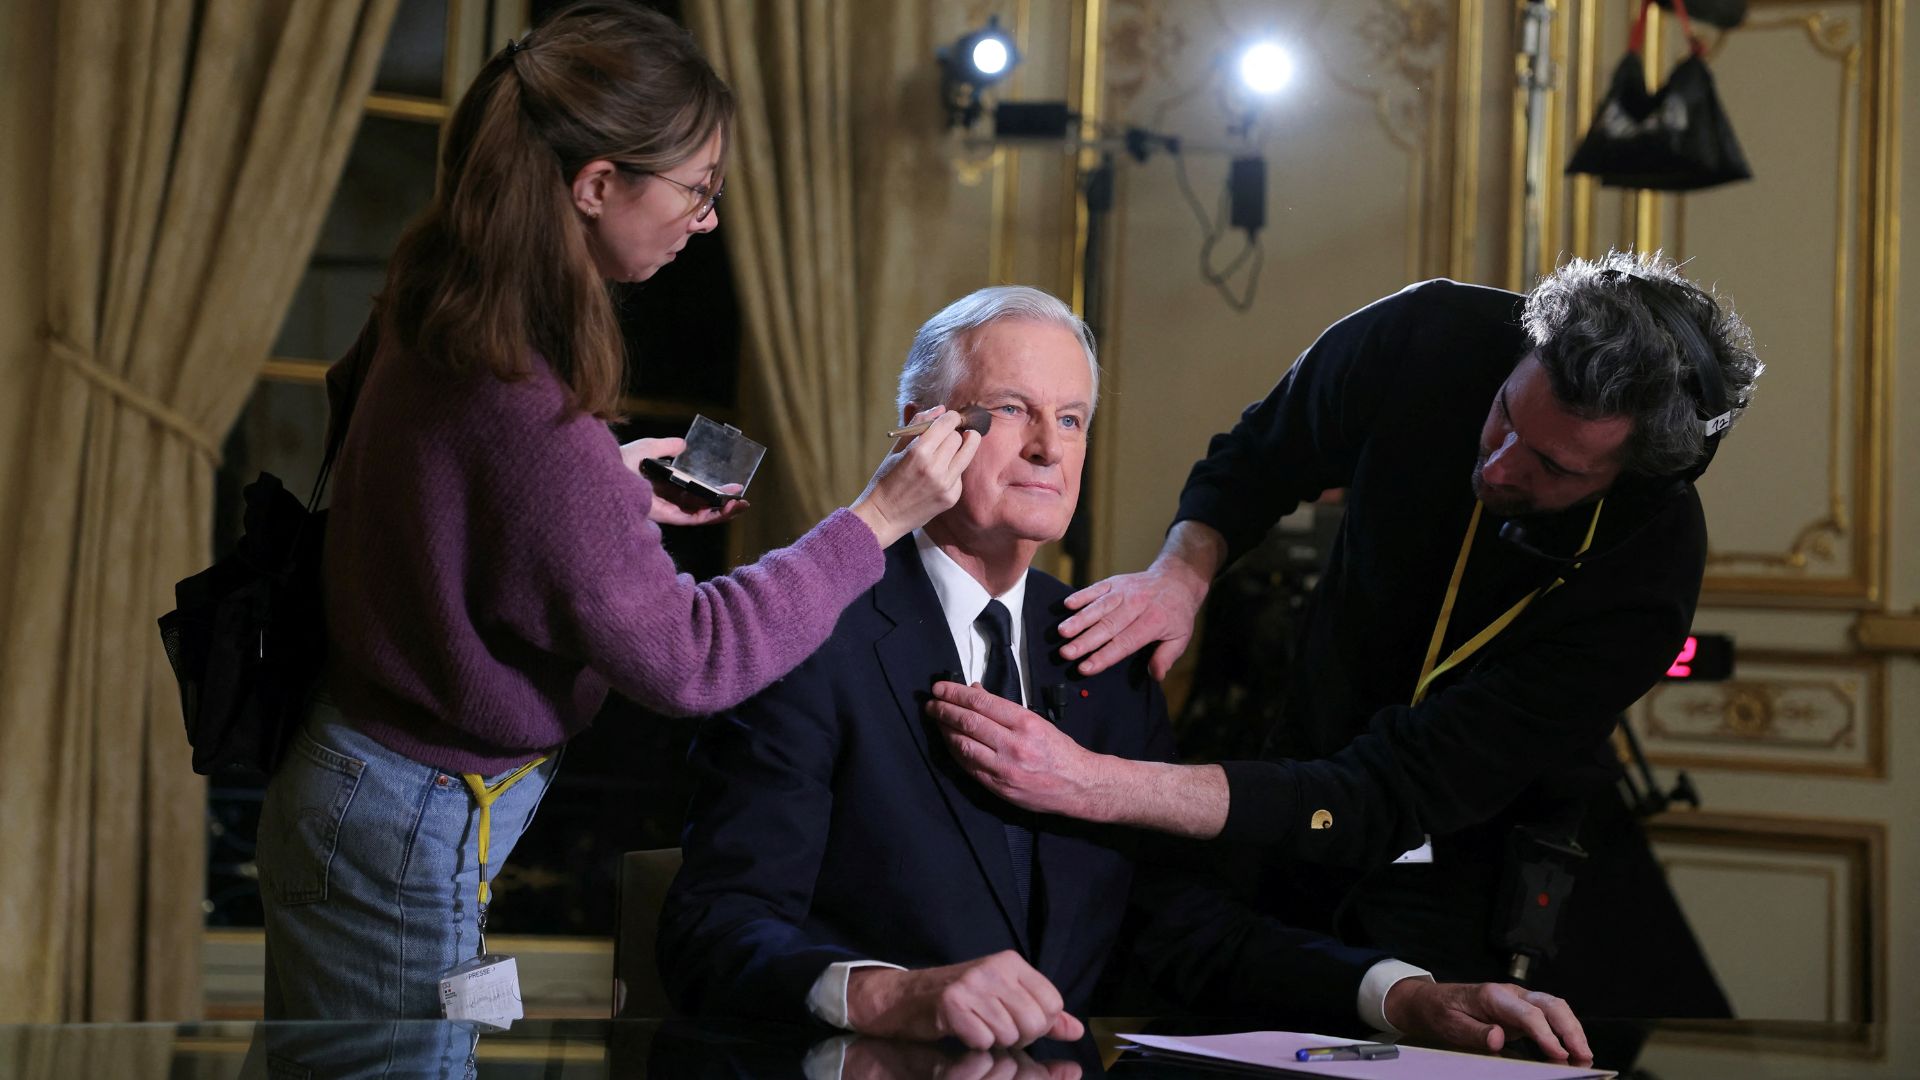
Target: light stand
{"x":1052,"y":124}
{"x":1096,"y":187}
{"x":1536,"y":78}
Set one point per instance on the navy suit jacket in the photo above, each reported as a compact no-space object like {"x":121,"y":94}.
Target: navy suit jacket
{"x":830,"y":823}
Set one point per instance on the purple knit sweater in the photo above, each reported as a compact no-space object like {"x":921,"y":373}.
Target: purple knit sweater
{"x":491,"y":571}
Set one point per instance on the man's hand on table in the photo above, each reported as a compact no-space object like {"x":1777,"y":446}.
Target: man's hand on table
{"x":995,"y":1001}
{"x":1484,"y":1016}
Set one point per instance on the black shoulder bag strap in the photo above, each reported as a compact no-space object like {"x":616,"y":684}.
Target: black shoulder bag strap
{"x":358,"y":359}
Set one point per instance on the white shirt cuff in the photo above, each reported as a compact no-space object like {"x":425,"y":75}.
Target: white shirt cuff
{"x":1373,"y":991}
{"x":828,"y":997}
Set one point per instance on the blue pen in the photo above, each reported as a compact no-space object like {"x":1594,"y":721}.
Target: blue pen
{"x":1349,"y":1052}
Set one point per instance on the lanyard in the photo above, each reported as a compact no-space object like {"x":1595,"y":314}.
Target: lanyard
{"x":485,"y":796}
{"x":1430,"y":672}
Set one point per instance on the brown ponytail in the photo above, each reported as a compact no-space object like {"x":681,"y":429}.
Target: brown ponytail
{"x":498,"y":263}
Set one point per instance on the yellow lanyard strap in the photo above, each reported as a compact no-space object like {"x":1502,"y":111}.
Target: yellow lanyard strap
{"x":1428,"y":672}
{"x":485,"y":796}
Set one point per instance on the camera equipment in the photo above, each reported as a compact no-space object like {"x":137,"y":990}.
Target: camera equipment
{"x":1536,"y":884}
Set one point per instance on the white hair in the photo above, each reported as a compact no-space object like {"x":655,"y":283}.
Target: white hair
{"x":937,"y":358}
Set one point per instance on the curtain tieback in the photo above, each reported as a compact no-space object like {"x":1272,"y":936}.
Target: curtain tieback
{"x":133,"y":397}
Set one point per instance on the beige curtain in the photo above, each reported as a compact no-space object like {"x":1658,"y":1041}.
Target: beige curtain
{"x":195,"y":148}
{"x":838,"y":182}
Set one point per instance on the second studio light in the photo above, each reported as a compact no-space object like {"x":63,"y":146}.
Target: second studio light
{"x":978,"y":60}
{"x":1265,"y":67}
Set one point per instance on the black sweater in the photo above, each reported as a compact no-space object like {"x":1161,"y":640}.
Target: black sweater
{"x":1389,"y":404}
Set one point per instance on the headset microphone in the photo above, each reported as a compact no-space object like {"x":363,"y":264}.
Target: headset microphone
{"x":1515,"y":534}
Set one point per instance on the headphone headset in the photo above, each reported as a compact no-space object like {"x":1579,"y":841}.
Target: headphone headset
{"x":1707,"y":386}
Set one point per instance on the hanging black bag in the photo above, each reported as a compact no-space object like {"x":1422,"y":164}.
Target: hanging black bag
{"x":247,"y":639}
{"x":1674,"y":139}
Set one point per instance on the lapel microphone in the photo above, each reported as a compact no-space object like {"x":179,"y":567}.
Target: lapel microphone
{"x":1055,"y":699}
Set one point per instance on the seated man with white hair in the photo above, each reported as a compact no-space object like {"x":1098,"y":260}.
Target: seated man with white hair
{"x":840,"y":867}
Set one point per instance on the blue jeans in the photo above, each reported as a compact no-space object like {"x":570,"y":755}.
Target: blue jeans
{"x":369,"y":874}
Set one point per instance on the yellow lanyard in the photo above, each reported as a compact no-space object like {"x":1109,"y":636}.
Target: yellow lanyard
{"x":485,"y":796}
{"x":1428,"y":672}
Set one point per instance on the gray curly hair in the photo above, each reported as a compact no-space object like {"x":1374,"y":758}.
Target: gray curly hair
{"x":1607,"y":353}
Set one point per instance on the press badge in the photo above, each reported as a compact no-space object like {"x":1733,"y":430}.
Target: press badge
{"x":484,"y":990}
{"x":1421,"y":854}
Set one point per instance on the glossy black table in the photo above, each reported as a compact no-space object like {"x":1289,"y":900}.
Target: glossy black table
{"x":556,"y":1049}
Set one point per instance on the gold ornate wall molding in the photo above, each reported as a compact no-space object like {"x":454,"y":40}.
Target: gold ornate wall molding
{"x":1849,"y":533}
{"x":1142,"y":46}
{"x":1883,"y":632}
{"x":1836,"y":557}
{"x":1407,"y":58}
{"x":1427,"y":107}
{"x":1786,"y":711}
{"x":1856,"y":927}
{"x":1819,"y":542}
{"x":1149,"y":58}
{"x":1409,"y":39}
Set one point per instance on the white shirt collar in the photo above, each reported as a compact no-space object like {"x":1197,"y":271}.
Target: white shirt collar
{"x":962,"y":598}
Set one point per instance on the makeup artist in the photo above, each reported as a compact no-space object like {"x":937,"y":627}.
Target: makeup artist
{"x":493,"y":561}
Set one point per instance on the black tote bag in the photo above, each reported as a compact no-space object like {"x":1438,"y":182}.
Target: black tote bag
{"x":1676,"y":138}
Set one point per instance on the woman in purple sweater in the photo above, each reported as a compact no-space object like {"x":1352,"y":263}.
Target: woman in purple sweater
{"x":493,"y":561}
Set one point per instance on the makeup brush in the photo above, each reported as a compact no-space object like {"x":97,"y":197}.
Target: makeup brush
{"x":978,"y":419}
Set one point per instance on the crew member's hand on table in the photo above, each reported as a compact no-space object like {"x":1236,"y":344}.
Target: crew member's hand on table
{"x":1483,"y":1016}
{"x":889,"y":1059}
{"x":671,"y":505}
{"x":995,"y":1001}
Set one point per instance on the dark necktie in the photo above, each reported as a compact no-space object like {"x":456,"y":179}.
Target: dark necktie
{"x":1002,"y":677}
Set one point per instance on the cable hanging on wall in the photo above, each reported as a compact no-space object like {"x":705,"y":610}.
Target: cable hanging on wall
{"x":982,"y":58}
{"x":1242,"y":205}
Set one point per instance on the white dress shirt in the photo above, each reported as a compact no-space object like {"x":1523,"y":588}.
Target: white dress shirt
{"x":962,"y":598}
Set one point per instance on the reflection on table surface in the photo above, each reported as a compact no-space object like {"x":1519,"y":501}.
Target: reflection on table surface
{"x":552,"y":1049}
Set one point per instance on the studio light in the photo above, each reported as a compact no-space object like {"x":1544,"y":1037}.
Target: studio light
{"x":990,"y":56}
{"x":1265,"y":67}
{"x":1246,"y":80}
{"x":977,"y":60}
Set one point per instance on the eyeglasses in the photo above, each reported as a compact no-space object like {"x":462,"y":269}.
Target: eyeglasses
{"x":699,"y":191}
